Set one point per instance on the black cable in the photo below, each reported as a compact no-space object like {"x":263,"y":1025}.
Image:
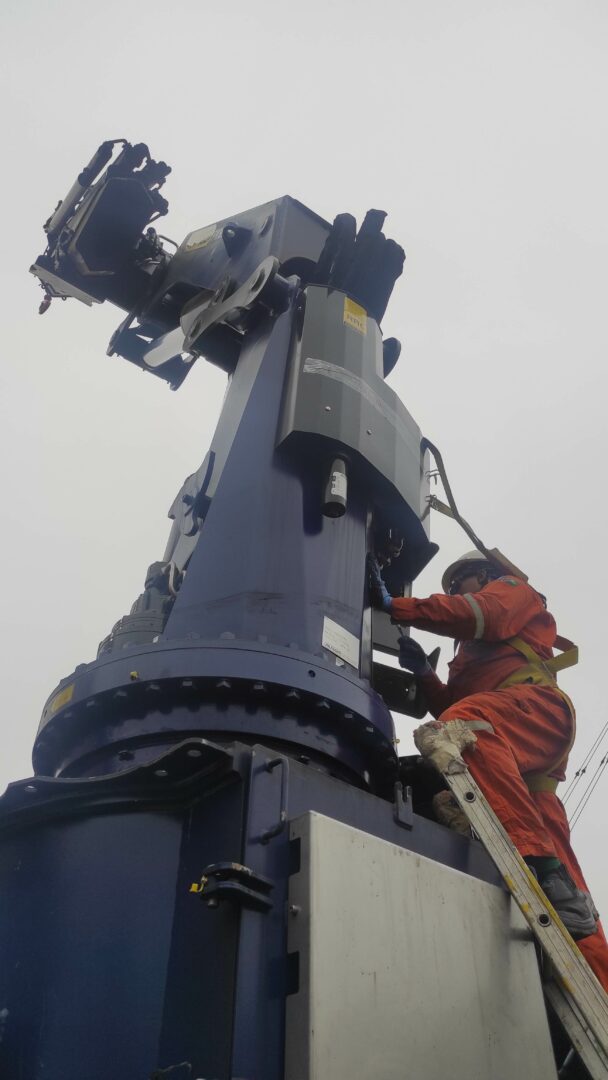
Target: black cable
{"x":582,"y":769}
{"x":589,"y":791}
{"x":582,"y":797}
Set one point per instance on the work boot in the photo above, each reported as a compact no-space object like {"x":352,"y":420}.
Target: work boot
{"x":574,"y":907}
{"x":448,"y":812}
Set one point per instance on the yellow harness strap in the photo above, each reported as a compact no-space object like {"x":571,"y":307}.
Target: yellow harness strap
{"x":541,"y":782}
{"x":539,"y":672}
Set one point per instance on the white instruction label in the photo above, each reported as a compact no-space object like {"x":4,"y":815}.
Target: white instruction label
{"x":341,"y":642}
{"x":338,"y":484}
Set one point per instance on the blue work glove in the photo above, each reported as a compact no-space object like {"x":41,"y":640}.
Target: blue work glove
{"x":379,"y":594}
{"x":412,"y":657}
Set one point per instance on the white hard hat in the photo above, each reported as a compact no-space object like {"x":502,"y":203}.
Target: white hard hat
{"x":475,"y":558}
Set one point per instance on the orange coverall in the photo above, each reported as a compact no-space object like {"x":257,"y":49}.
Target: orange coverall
{"x":532,"y":724}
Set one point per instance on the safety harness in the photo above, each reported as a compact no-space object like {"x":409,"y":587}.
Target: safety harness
{"x":540,"y":672}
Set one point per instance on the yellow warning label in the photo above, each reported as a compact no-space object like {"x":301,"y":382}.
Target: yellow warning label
{"x":61,"y":699}
{"x":355,"y":316}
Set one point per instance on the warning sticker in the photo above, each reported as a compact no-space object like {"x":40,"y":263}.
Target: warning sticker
{"x":355,"y":316}
{"x":340,"y":642}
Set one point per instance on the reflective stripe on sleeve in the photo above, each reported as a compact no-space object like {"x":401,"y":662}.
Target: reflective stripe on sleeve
{"x":480,"y":624}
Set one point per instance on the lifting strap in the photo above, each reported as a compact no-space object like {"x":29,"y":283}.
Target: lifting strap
{"x":537,"y":671}
{"x":493,"y":555}
{"x":541,"y":672}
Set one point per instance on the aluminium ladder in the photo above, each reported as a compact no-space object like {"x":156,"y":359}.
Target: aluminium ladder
{"x":575,"y":994}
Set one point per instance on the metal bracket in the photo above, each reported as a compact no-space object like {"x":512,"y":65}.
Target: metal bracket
{"x":403,"y":808}
{"x":188,"y":508}
{"x":399,"y":690}
{"x":281,"y":823}
{"x":232,"y":881}
{"x":226,"y":304}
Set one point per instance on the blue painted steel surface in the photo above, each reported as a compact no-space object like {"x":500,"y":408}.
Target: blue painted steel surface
{"x":84,"y":902}
{"x":249,"y":613}
{"x":302,"y":565}
{"x":112,"y":967}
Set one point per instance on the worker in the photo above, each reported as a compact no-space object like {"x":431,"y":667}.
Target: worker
{"x":524,"y":724}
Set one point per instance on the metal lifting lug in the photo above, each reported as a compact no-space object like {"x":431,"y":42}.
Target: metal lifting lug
{"x":235,"y":238}
{"x":232,"y":881}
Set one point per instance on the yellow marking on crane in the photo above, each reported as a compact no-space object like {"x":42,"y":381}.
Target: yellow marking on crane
{"x":61,"y":699}
{"x":200,"y":238}
{"x":355,"y":316}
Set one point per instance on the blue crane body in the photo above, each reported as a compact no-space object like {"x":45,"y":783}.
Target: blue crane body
{"x":219,"y":825}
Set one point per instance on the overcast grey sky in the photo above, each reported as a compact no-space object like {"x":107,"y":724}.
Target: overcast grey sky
{"x":479,"y":126}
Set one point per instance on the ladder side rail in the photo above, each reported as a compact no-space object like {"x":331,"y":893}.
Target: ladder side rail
{"x":587,"y":1011}
{"x":581,"y":1002}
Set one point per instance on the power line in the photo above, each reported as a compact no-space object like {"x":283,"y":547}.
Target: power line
{"x":580,"y":772}
{"x":586,"y":789}
{"x":588,"y":792}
